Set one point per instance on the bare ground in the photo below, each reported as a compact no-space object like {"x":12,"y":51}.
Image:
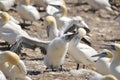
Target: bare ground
{"x":103,"y":31}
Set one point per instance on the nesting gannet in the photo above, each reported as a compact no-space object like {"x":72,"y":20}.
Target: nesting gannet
{"x":103,"y":63}
{"x":88,"y":74}
{"x":9,"y":30}
{"x":81,"y":52}
{"x":117,"y":18}
{"x":2,"y":76}
{"x":115,"y":65}
{"x":12,"y":66}
{"x":98,"y":4}
{"x":56,"y":51}
{"x":12,"y":18}
{"x":27,"y":11}
{"x":6,"y":4}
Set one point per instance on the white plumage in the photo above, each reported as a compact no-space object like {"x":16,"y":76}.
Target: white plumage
{"x":2,"y":76}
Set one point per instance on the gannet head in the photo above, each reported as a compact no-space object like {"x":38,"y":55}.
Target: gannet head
{"x":81,"y":32}
{"x":5,"y":17}
{"x":26,"y":2}
{"x":81,"y":23}
{"x":109,"y":77}
{"x":50,"y":20}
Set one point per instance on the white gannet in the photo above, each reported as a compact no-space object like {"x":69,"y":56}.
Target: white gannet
{"x":6,"y":4}
{"x":98,"y":4}
{"x":117,"y":18}
{"x":9,"y":30}
{"x":88,"y":74}
{"x":102,"y":65}
{"x":115,"y":65}
{"x":27,"y":11}
{"x":2,"y":76}
{"x":12,"y":18}
{"x":52,"y":29}
{"x":12,"y":67}
{"x":56,"y":51}
{"x":81,"y":52}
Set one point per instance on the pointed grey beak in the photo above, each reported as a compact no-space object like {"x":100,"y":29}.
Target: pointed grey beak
{"x":69,"y":36}
{"x":110,"y":46}
{"x":103,"y":54}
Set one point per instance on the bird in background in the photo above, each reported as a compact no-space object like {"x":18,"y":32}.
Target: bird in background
{"x":91,"y":75}
{"x":27,"y":12}
{"x":115,"y":64}
{"x":12,"y":67}
{"x":102,"y":64}
{"x":6,"y":5}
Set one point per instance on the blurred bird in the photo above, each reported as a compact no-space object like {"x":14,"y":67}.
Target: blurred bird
{"x":27,"y":11}
{"x":6,"y":4}
{"x":98,"y":4}
{"x":91,"y":75}
{"x":2,"y":76}
{"x":12,"y":66}
{"x":115,"y":65}
{"x":103,"y":63}
{"x":82,"y":52}
{"x":56,"y":52}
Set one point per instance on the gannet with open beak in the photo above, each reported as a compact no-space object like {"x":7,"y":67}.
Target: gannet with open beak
{"x":104,"y":61}
{"x":115,"y":65}
{"x":9,"y":30}
{"x":12,"y":67}
{"x":27,"y":11}
{"x":56,"y":51}
{"x":6,"y":4}
{"x":98,"y":4}
{"x":81,"y":52}
{"x":2,"y":76}
{"x":91,"y":75}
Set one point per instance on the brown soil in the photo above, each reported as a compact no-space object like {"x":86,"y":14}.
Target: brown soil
{"x":103,"y":31}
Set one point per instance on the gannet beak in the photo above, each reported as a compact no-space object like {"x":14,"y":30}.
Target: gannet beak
{"x":69,"y":36}
{"x":22,"y":66}
{"x":110,"y":46}
{"x":103,"y":54}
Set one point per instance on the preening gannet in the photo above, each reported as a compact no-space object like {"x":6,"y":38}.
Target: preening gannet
{"x":103,"y":63}
{"x":12,"y":67}
{"x":56,"y":51}
{"x":81,"y":52}
{"x":6,"y":4}
{"x":115,"y":65}
{"x":27,"y":11}
{"x":2,"y":76}
{"x":9,"y":30}
{"x":92,"y":75}
{"x":98,"y":4}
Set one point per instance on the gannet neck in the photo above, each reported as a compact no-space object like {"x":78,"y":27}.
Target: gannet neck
{"x":26,"y":2}
{"x":5,"y":17}
{"x":64,"y":10}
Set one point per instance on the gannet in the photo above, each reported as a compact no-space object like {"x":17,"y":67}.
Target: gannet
{"x":12,"y":67}
{"x":103,"y":63}
{"x":9,"y":30}
{"x":81,"y":52}
{"x":52,"y":30}
{"x":6,"y":4}
{"x":117,"y":18}
{"x":56,"y":51}
{"x":98,"y":4}
{"x":27,"y":11}
{"x":12,"y":18}
{"x":2,"y":76}
{"x":115,"y":65}
{"x":91,"y":75}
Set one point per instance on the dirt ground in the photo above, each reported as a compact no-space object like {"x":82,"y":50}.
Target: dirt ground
{"x":103,"y":30}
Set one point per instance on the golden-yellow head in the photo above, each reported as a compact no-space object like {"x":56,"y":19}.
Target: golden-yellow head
{"x":10,"y":57}
{"x":5,"y":17}
{"x":50,"y":20}
{"x":109,"y":77}
{"x":81,"y":32}
{"x":79,"y":18}
{"x":26,"y":2}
